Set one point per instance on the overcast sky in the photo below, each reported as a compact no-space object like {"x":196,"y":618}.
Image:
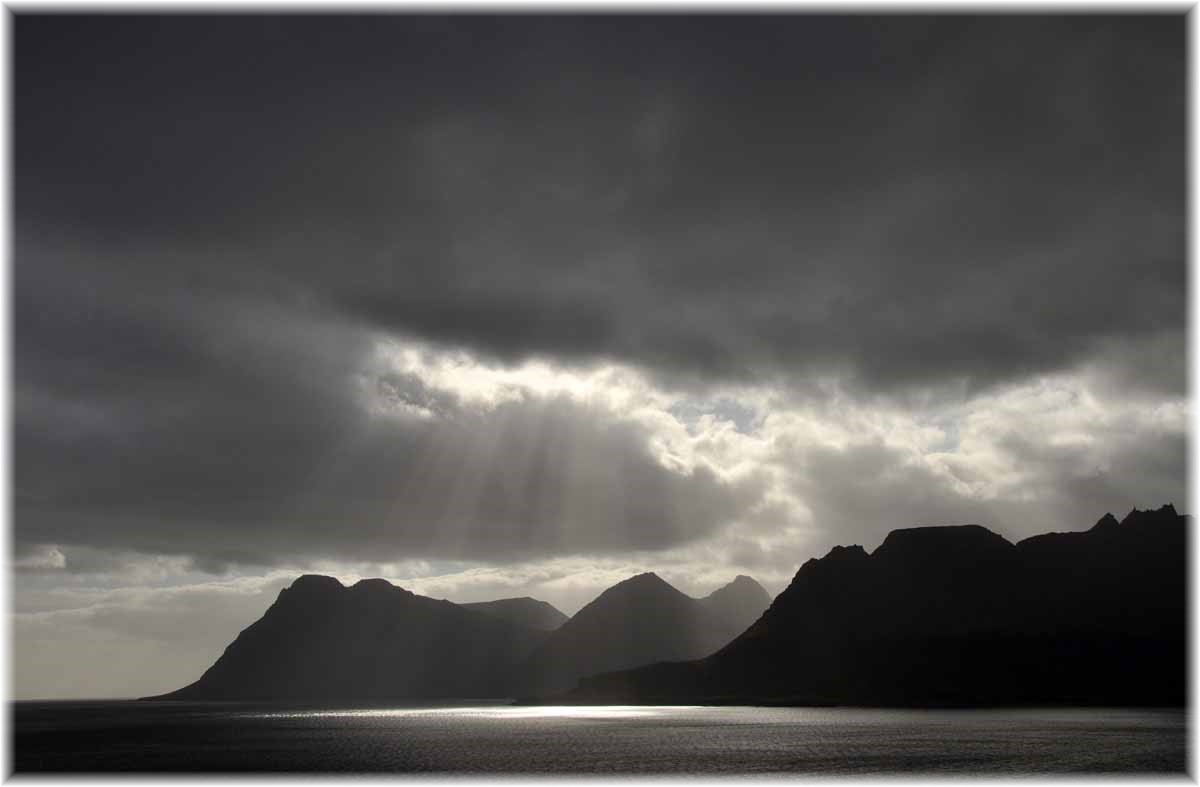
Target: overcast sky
{"x":526,"y":305}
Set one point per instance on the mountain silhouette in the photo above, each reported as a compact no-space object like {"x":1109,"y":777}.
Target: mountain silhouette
{"x":372,"y":641}
{"x":957,"y":616}
{"x":739,"y":603}
{"x":640,"y":621}
{"x":523,"y":611}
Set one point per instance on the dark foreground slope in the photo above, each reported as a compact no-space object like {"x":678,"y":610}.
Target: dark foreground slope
{"x":371,"y":641}
{"x":641,"y":620}
{"x":523,"y":611}
{"x":958,"y":616}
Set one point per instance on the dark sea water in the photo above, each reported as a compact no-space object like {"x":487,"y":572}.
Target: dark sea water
{"x":482,"y":739}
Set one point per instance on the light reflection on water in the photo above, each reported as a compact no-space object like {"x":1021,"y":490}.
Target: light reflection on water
{"x":482,"y":738}
{"x":489,"y":712}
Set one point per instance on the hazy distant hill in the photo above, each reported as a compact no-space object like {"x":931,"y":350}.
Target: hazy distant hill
{"x":370,"y":641}
{"x":739,"y":603}
{"x":524,"y":611}
{"x":640,"y":621}
{"x":958,"y":615}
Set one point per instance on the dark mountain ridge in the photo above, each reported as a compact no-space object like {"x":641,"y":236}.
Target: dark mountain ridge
{"x":524,"y":611}
{"x":371,"y":641}
{"x":957,"y":616}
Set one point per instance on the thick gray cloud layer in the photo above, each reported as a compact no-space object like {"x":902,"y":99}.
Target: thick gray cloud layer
{"x":217,"y":219}
{"x":248,"y":433}
{"x":902,"y":199}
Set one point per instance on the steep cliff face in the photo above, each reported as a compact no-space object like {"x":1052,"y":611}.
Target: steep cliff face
{"x":371,"y":641}
{"x":958,"y":615}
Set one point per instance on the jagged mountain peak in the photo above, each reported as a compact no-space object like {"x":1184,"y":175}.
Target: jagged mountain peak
{"x":1163,"y":513}
{"x":852,"y":552}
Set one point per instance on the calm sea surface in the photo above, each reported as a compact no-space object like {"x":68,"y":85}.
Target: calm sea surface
{"x":133,"y":736}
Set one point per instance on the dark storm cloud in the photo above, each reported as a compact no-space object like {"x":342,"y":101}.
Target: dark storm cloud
{"x":899,"y":200}
{"x":253,"y":440}
{"x":215,"y":218}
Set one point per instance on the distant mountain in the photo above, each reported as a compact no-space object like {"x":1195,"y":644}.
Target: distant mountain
{"x":372,"y":641}
{"x":524,"y":611}
{"x":957,"y":616}
{"x":739,"y":603}
{"x":641,"y":620}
